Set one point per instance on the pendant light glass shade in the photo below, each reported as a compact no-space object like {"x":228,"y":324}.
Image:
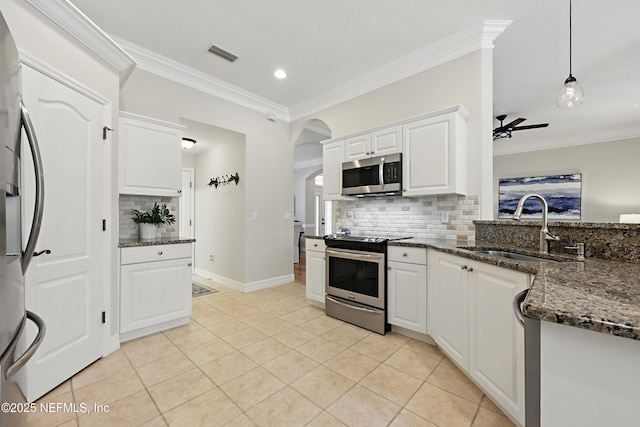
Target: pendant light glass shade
{"x":571,"y":94}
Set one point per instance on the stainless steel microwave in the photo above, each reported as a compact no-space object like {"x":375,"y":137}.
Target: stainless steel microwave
{"x":374,"y":176}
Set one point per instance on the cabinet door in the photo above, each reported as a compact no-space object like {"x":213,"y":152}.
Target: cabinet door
{"x":386,"y":141}
{"x":150,"y":157}
{"x":332,"y":159}
{"x":358,"y":147}
{"x":154,"y":292}
{"x":448,"y":305}
{"x":407,"y":295}
{"x":496,"y":359}
{"x":315,"y":276}
{"x":434,"y":160}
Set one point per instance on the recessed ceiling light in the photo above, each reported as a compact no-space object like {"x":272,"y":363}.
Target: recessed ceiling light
{"x":280,"y":74}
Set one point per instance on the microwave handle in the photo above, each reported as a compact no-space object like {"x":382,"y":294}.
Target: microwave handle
{"x":381,"y":173}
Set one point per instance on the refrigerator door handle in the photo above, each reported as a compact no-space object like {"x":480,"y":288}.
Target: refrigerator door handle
{"x":39,"y":203}
{"x":28,"y":354}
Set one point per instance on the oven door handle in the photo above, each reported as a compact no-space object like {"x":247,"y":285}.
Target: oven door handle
{"x":356,"y":255}
{"x":368,"y":310}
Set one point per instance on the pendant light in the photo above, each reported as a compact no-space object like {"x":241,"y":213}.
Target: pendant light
{"x":571,"y":94}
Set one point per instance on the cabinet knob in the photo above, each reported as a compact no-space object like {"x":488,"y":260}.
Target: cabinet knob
{"x":189,"y":264}
{"x":470,"y":269}
{"x":179,"y":191}
{"x":463,"y":267}
{"x":159,"y":252}
{"x":405,"y":254}
{"x":315,"y":245}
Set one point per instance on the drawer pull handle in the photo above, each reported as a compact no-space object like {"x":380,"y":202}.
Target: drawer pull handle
{"x":405,"y":254}
{"x":463,"y":267}
{"x":189,"y":264}
{"x":159,"y":252}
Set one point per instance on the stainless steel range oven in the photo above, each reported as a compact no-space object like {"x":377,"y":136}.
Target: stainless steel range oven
{"x":355,"y":281}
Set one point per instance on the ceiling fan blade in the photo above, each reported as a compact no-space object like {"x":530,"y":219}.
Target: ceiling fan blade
{"x":515,"y":122}
{"x":541,"y":125}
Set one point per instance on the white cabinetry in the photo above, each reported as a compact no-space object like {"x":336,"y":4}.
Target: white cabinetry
{"x":150,"y":156}
{"x":376,"y":143}
{"x":434,"y":154}
{"x":315,"y":270}
{"x":448,"y":306}
{"x":470,"y":313}
{"x":155,"y":289}
{"x":407,"y":288}
{"x":332,"y":158}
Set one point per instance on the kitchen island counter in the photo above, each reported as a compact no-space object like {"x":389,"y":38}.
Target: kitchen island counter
{"x":597,"y":295}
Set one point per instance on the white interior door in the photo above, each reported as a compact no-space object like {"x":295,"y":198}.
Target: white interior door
{"x":66,"y":287}
{"x":185,"y":212}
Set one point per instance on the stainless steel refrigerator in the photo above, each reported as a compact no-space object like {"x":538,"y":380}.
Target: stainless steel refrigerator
{"x":13,"y":315}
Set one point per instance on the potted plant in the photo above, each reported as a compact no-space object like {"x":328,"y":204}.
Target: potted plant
{"x":150,"y":221}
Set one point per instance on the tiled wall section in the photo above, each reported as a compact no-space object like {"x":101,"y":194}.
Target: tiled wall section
{"x":129,"y":229}
{"x":420,"y":217}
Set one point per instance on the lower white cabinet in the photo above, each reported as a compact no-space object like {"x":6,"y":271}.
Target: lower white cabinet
{"x":471,"y":318}
{"x":155,"y":289}
{"x":315,"y":270}
{"x":407,"y":288}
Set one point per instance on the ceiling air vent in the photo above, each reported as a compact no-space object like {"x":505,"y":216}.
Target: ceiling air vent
{"x":222,"y":53}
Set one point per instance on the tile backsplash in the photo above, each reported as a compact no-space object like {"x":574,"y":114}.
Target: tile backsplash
{"x":129,"y":229}
{"x":447,"y":217}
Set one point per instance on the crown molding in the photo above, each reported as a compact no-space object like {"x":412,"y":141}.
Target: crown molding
{"x":455,"y":46}
{"x":505,"y":148}
{"x":165,"y":67}
{"x":73,"y":21}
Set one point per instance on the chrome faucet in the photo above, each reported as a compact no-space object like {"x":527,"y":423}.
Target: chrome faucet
{"x":545,"y":236}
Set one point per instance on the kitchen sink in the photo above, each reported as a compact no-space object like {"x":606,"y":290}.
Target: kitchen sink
{"x":507,"y":254}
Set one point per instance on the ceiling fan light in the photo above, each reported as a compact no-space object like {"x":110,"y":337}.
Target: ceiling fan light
{"x":571,"y":94}
{"x":188,"y":143}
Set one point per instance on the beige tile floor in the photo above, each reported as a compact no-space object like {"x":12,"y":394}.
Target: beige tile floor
{"x":269,"y":358}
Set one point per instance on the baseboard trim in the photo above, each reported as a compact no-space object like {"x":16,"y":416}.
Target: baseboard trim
{"x":245,"y":287}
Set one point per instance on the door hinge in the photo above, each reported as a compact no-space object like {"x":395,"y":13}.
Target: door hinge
{"x":104,"y":317}
{"x":105,"y":129}
{"x":104,"y":225}
{"x":190,"y":223}
{"x":190,"y":184}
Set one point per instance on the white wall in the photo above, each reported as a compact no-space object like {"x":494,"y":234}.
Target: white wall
{"x":466,"y":81}
{"x":610,"y":175}
{"x":268,"y":178}
{"x":219,"y":225}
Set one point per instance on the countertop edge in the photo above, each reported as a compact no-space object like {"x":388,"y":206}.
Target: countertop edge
{"x":134,"y":243}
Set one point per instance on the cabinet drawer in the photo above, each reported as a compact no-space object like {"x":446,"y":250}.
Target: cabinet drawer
{"x":154,"y":253}
{"x":315,"y":245}
{"x":407,"y":254}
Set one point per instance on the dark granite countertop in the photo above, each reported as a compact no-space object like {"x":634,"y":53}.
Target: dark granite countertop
{"x":598,"y":295}
{"x":164,"y":240}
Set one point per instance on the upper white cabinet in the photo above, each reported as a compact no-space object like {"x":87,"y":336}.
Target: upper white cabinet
{"x":150,"y":156}
{"x":434,"y":154}
{"x":332,"y":158}
{"x":377,"y":143}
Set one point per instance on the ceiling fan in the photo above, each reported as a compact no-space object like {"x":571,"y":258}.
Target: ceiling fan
{"x":504,"y":131}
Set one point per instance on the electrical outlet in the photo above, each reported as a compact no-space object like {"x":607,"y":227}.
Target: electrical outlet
{"x":287,"y":215}
{"x":254,"y":216}
{"x":444,"y":217}
{"x":211,"y":258}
